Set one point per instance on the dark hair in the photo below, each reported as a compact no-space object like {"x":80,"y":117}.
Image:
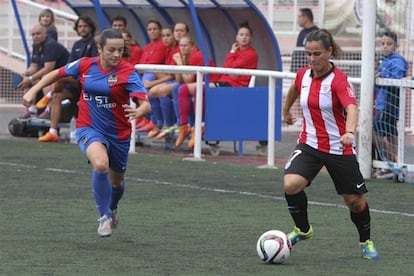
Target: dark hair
{"x":326,"y":38}
{"x":391,"y":35}
{"x":155,"y":21}
{"x":307,"y":12}
{"x":185,"y":24}
{"x":109,"y":33}
{"x":246,"y":25}
{"x":128,"y":34}
{"x":88,"y":21}
{"x":120,"y":18}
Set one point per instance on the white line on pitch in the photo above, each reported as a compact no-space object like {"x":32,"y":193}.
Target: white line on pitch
{"x":186,"y":186}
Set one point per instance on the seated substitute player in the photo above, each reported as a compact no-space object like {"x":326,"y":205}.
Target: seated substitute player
{"x":103,"y":130}
{"x":330,"y":115}
{"x":242,"y":55}
{"x":160,"y":96}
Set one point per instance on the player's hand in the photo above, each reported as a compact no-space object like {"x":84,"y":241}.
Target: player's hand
{"x":130,"y":112}
{"x":288,"y":118}
{"x":348,"y":138}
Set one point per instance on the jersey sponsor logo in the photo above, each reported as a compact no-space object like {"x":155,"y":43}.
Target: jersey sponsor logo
{"x":360,"y":185}
{"x":100,"y":100}
{"x":112,"y":80}
{"x":85,"y":76}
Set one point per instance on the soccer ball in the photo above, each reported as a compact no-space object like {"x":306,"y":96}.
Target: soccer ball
{"x":273,"y":246}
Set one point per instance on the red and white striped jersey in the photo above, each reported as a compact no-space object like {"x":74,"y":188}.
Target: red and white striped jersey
{"x":323,"y":101}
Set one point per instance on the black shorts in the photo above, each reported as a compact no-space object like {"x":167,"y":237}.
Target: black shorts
{"x":385,"y":124}
{"x":74,"y":90}
{"x":343,"y":169}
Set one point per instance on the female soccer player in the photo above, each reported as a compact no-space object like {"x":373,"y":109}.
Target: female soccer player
{"x":330,"y":116}
{"x":103,"y":130}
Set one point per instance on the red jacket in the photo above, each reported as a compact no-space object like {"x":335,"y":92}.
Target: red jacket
{"x":245,"y":59}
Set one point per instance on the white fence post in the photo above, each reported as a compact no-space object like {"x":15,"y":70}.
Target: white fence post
{"x":198,"y":116}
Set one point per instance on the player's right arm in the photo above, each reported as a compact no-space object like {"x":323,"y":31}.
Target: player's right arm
{"x":291,"y":97}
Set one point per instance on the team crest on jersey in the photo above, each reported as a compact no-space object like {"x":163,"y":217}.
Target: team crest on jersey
{"x":112,"y":80}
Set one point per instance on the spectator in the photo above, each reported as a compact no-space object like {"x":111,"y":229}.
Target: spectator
{"x":189,"y":55}
{"x":47,"y":20}
{"x":153,"y":53}
{"x":305,"y":21}
{"x":47,"y":55}
{"x":242,"y":55}
{"x":133,"y":51}
{"x":69,"y":87}
{"x":119,"y":23}
{"x":102,"y":128}
{"x":392,"y":66}
{"x":160,"y":95}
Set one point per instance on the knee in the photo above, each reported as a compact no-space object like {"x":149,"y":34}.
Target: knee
{"x":355,"y":203}
{"x":153,"y":92}
{"x":58,"y":97}
{"x":100,"y":165}
{"x":294,"y":183}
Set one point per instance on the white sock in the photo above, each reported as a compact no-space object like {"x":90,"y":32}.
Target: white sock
{"x":53,"y":131}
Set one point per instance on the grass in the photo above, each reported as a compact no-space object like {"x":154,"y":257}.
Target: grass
{"x":182,"y":218}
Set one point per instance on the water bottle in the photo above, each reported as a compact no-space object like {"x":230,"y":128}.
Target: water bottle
{"x":72,"y":130}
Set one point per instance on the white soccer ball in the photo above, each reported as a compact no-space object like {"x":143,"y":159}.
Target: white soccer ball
{"x":273,"y":246}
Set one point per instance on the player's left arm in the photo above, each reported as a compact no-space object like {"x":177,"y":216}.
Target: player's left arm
{"x":351,"y":124}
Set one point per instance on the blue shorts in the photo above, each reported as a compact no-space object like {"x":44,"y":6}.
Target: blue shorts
{"x":148,"y":76}
{"x":117,"y":149}
{"x":170,"y":82}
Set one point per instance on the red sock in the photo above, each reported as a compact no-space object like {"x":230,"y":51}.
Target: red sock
{"x":184,"y":103}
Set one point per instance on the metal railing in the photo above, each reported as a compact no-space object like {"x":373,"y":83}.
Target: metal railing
{"x":200,"y":71}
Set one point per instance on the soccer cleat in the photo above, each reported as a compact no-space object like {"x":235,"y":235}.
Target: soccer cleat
{"x":105,"y":226}
{"x":115,"y":217}
{"x":153,"y":132}
{"x":43,"y":102}
{"x":192,"y":140}
{"x":297,"y":235}
{"x":185,"y":130}
{"x":368,"y":250}
{"x":147,"y":127}
{"x":49,"y":137}
{"x":167,"y":131}
{"x":140,"y":122}
{"x":44,"y":115}
{"x":27,"y":114}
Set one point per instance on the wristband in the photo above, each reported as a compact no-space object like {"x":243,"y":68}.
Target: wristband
{"x":31,"y":78}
